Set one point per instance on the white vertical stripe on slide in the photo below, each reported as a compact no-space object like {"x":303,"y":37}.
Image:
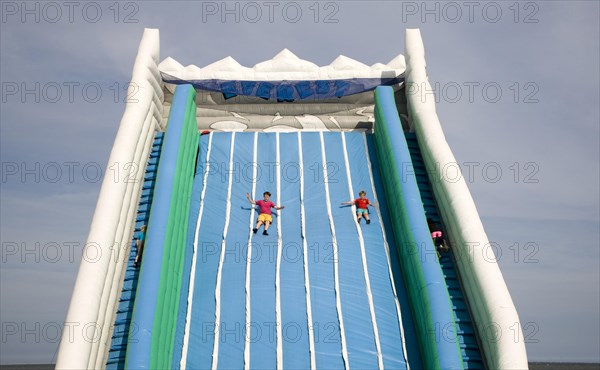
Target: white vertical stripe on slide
{"x":387,"y":250}
{"x":188,"y":316}
{"x":278,"y":322}
{"x":311,"y":333}
{"x":336,"y":276}
{"x":363,"y":255}
{"x":215,"y":355}
{"x":249,"y":256}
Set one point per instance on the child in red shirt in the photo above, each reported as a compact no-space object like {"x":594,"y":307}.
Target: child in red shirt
{"x":362,"y":206}
{"x":264,"y":216}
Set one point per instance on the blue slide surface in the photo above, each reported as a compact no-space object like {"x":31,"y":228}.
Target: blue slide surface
{"x":320,"y":289}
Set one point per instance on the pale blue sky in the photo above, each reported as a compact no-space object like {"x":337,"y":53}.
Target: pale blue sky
{"x":542,"y":56}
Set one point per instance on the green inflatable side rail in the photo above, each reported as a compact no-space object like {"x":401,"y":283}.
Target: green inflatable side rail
{"x":175,"y":241}
{"x":189,"y":171}
{"x":428,"y":295}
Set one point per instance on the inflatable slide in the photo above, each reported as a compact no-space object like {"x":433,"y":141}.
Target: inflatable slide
{"x":321,"y":288}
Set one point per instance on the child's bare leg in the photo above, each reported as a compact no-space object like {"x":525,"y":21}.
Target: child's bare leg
{"x":267,"y":224}
{"x":366,"y":216}
{"x":358,"y":217}
{"x":258,"y":224}
{"x":140,"y":247}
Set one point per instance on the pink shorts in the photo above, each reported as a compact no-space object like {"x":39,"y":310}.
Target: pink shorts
{"x":436,"y":234}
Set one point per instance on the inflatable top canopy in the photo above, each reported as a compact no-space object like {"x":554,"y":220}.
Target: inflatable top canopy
{"x":338,"y":96}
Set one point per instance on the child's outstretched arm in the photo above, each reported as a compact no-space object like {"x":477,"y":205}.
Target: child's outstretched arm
{"x":250,"y":199}
{"x":350,"y":202}
{"x":278,"y":208}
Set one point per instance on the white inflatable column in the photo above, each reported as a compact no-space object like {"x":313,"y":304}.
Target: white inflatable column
{"x":91,"y":312}
{"x":494,"y":313}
